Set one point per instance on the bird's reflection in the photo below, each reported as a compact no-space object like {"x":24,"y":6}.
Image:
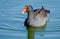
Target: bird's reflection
{"x":32,"y":30}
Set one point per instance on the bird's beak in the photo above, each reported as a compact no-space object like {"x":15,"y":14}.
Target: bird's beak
{"x":22,"y":12}
{"x":25,"y":10}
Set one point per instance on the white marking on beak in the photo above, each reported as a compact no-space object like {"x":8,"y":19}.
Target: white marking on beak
{"x":22,"y":12}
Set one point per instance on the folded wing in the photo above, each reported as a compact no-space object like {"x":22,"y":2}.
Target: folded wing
{"x":41,"y":12}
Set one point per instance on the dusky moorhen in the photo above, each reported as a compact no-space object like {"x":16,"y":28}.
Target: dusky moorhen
{"x":37,"y":17}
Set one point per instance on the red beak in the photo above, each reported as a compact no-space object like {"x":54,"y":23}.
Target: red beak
{"x":25,"y":10}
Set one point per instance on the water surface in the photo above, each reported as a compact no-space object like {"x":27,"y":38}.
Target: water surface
{"x":12,"y":19}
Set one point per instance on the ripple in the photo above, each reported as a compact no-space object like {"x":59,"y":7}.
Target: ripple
{"x":49,"y":36}
{"x":54,"y":19}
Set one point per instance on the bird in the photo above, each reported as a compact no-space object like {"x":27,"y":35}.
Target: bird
{"x":37,"y":17}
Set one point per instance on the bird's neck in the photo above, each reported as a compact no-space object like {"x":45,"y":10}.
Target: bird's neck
{"x":30,"y":15}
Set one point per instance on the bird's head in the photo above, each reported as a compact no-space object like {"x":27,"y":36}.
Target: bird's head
{"x":27,"y":8}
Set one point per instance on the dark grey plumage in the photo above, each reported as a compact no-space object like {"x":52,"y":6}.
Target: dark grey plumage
{"x":30,"y":20}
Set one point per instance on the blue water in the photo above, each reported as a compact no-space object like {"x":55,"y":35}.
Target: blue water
{"x":12,"y":19}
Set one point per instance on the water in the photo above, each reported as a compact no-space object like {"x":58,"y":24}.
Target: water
{"x":12,"y":19}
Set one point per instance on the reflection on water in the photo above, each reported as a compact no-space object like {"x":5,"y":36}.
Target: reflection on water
{"x":32,"y":30}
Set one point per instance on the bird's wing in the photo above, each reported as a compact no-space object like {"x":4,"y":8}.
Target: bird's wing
{"x":36,"y":11}
{"x":41,"y":12}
